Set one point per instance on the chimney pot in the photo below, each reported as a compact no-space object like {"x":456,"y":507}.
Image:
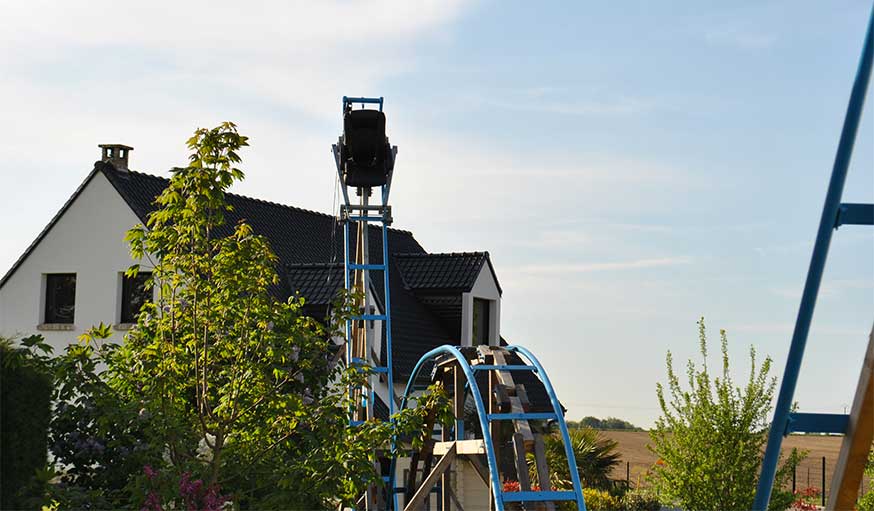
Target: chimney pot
{"x":116,"y":154}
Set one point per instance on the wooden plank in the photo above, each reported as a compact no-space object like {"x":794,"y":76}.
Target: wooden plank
{"x":521,"y":426}
{"x":521,"y":464}
{"x":542,"y":469}
{"x":458,"y":390}
{"x":504,"y":377}
{"x":502,"y":397}
{"x":857,"y":442}
{"x":475,"y":446}
{"x":522,"y":394}
{"x":419,"y":497}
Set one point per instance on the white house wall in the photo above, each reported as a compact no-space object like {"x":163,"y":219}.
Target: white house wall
{"x":86,"y":240}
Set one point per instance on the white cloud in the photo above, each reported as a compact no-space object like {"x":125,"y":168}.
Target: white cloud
{"x":606,"y":266}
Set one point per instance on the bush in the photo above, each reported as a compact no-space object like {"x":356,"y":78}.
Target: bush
{"x":596,"y":456}
{"x":600,"y":500}
{"x":711,"y":434}
{"x":25,"y":398}
{"x":640,"y":500}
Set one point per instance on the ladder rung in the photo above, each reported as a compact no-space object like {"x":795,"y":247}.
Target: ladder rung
{"x":368,"y":317}
{"x":359,"y":218}
{"x":529,"y":416}
{"x":855,"y":214}
{"x":817,"y":423}
{"x":484,"y":367}
{"x":353,"y":266}
{"x":537,"y":496}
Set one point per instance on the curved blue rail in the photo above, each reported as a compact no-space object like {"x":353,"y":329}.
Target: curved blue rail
{"x":482,"y":415}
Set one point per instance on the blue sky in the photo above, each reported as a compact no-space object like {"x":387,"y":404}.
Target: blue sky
{"x":630,"y":166}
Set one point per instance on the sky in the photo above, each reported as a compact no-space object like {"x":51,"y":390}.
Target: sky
{"x":630,"y":166}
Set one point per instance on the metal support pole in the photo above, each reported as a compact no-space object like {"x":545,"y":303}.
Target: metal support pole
{"x":814,"y":274}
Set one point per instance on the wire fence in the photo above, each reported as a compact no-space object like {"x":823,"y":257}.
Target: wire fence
{"x":810,"y":477}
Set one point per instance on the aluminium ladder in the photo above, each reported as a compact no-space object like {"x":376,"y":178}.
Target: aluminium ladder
{"x":858,"y":426}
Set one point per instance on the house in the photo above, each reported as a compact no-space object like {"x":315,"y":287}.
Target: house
{"x":72,"y":276}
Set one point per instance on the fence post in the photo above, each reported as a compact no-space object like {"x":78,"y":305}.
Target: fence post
{"x":823,"y":481}
{"x":627,"y":475}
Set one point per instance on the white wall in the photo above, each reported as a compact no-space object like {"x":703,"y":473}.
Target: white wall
{"x":485,"y":287}
{"x":88,"y":241}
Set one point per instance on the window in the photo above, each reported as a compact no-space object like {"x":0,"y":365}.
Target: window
{"x":60,"y":297}
{"x":134,"y":293}
{"x":480,"y":321}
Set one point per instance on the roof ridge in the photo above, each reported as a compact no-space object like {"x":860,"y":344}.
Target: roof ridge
{"x":247,"y":197}
{"x":441,"y":254}
{"x":327,"y":265}
{"x":268,"y":202}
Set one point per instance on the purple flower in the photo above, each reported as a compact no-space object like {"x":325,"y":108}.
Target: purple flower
{"x":150,"y":472}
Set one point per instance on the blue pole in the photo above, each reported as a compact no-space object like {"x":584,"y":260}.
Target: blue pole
{"x":562,"y":426}
{"x":814,"y":274}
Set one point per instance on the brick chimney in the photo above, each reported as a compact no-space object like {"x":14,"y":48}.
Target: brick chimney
{"x":116,"y":154}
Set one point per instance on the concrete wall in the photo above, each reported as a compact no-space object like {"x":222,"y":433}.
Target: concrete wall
{"x":88,"y":241}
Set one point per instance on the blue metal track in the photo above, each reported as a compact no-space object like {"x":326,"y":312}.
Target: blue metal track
{"x":501,"y":497}
{"x":834,"y":214}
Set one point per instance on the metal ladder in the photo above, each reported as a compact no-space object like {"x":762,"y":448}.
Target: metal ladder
{"x":834,"y":215}
{"x":456,"y":368}
{"x":357,"y":267}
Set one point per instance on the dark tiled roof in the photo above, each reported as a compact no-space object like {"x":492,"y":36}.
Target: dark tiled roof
{"x":455,"y":272}
{"x":318,"y":283}
{"x":309,"y":246}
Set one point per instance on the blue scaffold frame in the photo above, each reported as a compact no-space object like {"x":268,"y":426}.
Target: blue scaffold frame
{"x":834,"y":214}
{"x":500,"y":497}
{"x":349,"y":267}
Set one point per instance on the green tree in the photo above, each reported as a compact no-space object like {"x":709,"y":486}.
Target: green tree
{"x":231,"y":392}
{"x":25,"y":404}
{"x":710,"y":436}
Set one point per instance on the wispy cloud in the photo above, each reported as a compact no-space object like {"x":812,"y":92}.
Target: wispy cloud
{"x":606,"y":266}
{"x":740,"y":38}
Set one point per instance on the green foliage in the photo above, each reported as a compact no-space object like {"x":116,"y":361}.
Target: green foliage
{"x":710,"y":436}
{"x":640,"y":499}
{"x":595,"y":456}
{"x":866,"y":501}
{"x":25,"y":399}
{"x":610,"y":423}
{"x":600,"y":500}
{"x":220,"y":392}
{"x":99,"y":438}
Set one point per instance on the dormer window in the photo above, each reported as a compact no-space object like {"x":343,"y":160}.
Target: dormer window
{"x":481,"y":321}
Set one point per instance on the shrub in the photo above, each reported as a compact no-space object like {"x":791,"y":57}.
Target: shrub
{"x":710,"y":436}
{"x":595,"y":456}
{"x":640,"y":500}
{"x":25,"y":398}
{"x":600,"y":500}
